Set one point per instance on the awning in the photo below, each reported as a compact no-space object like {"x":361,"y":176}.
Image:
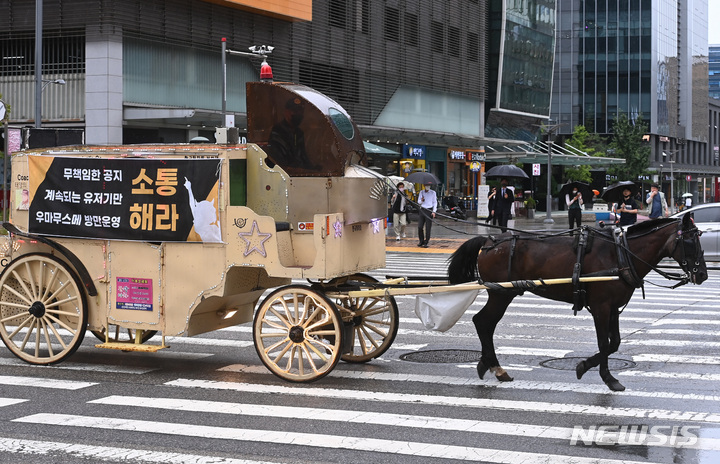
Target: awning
{"x":538,"y":153}
{"x":371,"y":148}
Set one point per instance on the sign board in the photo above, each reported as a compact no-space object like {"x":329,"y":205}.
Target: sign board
{"x":536,"y":169}
{"x":475,"y":166}
{"x":475,"y":155}
{"x":414,"y":151}
{"x":155,"y":200}
{"x":456,"y":154}
{"x":482,"y":208}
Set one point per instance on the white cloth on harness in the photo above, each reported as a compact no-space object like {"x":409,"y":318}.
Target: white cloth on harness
{"x":440,"y":311}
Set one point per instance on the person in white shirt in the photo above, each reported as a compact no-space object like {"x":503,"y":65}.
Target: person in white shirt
{"x":428,"y":206}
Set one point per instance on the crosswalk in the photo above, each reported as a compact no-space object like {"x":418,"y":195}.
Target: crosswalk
{"x":393,"y":410}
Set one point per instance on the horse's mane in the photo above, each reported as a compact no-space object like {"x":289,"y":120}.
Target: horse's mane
{"x":642,"y":228}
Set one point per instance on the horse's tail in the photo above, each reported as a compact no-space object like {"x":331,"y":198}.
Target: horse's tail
{"x":463,"y":262}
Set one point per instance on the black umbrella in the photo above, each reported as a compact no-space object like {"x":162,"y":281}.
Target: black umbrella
{"x":505,"y":170}
{"x":582,"y":187}
{"x":614,"y":193}
{"x":422,"y":177}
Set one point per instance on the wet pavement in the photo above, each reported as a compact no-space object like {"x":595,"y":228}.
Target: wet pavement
{"x":448,"y":234}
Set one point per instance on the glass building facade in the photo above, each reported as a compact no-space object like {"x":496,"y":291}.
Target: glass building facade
{"x":522,"y":43}
{"x":714,"y":70}
{"x":641,"y":58}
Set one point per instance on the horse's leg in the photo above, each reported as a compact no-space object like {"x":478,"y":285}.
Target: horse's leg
{"x":614,"y":331}
{"x":485,"y":322}
{"x":614,"y":337}
{"x":606,"y":327}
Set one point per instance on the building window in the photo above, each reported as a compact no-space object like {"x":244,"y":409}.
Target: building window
{"x":473,"y":46}
{"x":453,"y":41}
{"x":339,"y":83}
{"x":338,"y":13}
{"x":392,"y":24}
{"x":437,"y":37}
{"x":411,"y":29}
{"x":362,"y":16}
{"x":61,"y":55}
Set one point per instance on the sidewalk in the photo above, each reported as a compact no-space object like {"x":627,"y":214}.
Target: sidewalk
{"x":447,"y":235}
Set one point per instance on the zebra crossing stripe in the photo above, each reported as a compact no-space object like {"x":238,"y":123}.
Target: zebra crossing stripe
{"x":73,"y":366}
{"x":480,"y":403}
{"x":208,"y":342}
{"x":10,"y":401}
{"x":684,"y":359}
{"x":369,"y":418}
{"x":110,"y":453}
{"x":44,"y":383}
{"x":354,"y":443}
{"x":514,"y":385}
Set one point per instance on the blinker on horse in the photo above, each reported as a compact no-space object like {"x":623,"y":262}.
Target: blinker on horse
{"x":630,"y":254}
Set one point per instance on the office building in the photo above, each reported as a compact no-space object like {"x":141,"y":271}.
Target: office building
{"x":641,"y":58}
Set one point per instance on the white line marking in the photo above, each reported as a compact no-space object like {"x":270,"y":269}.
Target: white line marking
{"x":44,"y":383}
{"x":112,"y":454}
{"x":72,"y":366}
{"x":673,"y":376}
{"x":512,"y":405}
{"x":10,"y":401}
{"x":688,"y":359}
{"x":208,"y":342}
{"x":363,"y":417}
{"x":431,"y":450}
{"x":490,"y":382}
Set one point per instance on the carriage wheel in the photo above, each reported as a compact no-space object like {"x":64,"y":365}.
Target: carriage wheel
{"x":375,"y":322}
{"x":43,"y":313}
{"x":123,"y":335}
{"x":298,"y":333}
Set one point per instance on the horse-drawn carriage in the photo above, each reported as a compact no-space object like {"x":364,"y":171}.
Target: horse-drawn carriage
{"x":185,"y":239}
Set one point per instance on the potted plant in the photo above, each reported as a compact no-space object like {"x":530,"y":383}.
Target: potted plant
{"x":530,"y":207}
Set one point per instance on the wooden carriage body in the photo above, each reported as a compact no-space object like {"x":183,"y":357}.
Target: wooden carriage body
{"x":185,"y":239}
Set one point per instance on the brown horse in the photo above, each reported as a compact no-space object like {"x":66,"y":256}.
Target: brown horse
{"x":630,"y":254}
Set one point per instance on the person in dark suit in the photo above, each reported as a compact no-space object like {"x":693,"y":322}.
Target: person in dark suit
{"x":502,"y":206}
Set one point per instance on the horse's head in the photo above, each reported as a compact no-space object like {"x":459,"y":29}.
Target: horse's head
{"x":688,"y":252}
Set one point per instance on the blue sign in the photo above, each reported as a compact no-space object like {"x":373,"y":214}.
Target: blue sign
{"x":414,"y":151}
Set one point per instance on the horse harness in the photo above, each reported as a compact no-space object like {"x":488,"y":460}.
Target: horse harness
{"x":626,"y":269}
{"x":582,"y":245}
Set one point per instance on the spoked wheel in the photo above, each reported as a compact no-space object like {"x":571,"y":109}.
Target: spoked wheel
{"x":43,"y":312}
{"x":375,"y":321}
{"x":298,"y":333}
{"x":120,"y":334}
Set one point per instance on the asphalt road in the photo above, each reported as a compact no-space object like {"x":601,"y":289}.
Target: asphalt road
{"x":209,"y":399}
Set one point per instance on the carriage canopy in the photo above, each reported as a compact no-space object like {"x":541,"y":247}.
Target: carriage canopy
{"x":302,"y":130}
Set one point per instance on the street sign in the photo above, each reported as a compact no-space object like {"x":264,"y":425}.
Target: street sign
{"x":536,"y":169}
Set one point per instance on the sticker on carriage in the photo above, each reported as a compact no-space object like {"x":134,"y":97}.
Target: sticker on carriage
{"x":306,"y":226}
{"x":141,"y":199}
{"x":133,"y":293}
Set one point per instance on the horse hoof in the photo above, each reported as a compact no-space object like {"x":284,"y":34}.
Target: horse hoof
{"x":614,"y":385}
{"x":481,"y":369}
{"x":501,"y":374}
{"x":580,"y":369}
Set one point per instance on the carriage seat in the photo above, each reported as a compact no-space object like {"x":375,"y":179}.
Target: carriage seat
{"x":281,"y":226}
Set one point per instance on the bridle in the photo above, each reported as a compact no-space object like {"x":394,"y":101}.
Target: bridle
{"x":683,"y":240}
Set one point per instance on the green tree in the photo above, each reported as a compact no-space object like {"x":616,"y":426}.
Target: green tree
{"x":628,"y":144}
{"x":579,"y":140}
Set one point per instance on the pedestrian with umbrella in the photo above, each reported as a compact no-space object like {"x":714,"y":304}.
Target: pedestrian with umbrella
{"x":502,"y":206}
{"x":623,"y":193}
{"x":427,"y":199}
